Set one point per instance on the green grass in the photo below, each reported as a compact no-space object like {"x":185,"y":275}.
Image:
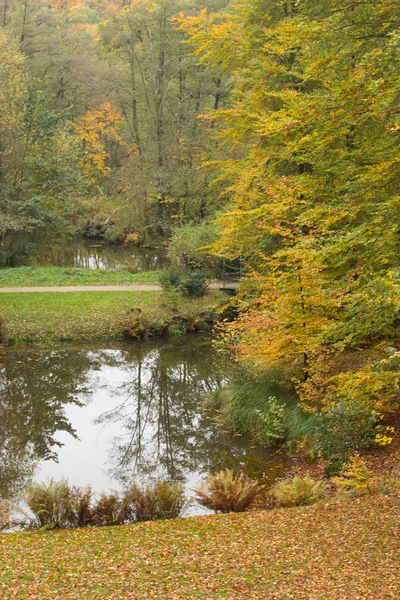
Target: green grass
{"x":258,"y":408}
{"x":88,"y":315}
{"x":337,"y":551}
{"x":53,"y":276}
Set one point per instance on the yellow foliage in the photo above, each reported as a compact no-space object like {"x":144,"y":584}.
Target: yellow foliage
{"x":354,"y":476}
{"x":97,"y":127}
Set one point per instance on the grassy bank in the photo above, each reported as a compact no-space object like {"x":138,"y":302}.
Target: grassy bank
{"x":341,"y":550}
{"x":90,"y":315}
{"x":53,"y":276}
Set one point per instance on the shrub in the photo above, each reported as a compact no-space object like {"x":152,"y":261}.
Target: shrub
{"x":354,"y":476}
{"x":253,"y":408}
{"x":59,"y":504}
{"x":81,"y":506}
{"x":163,"y":501}
{"x":345,"y":428}
{"x":298,"y":491}
{"x":170,"y":279}
{"x":274,"y":421}
{"x":107,"y":510}
{"x":194,"y":284}
{"x":50,"y":503}
{"x":225,"y":492}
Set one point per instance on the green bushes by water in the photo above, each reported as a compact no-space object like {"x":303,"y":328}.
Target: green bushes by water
{"x":254,"y":408}
{"x":273,"y":416}
{"x":59,"y":505}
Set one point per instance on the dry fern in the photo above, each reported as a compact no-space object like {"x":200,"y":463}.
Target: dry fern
{"x":225,"y":492}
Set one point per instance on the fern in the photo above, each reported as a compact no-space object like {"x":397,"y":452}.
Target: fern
{"x":298,"y":491}
{"x":225,"y":492}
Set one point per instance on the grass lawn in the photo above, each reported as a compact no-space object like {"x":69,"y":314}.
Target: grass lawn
{"x":343,"y":550}
{"x":49,"y":276}
{"x":89,"y":315}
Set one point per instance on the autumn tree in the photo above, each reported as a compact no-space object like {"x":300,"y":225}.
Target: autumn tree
{"x":312,"y":173}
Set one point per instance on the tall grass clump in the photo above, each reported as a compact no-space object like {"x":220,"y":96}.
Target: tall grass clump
{"x":226,"y":492}
{"x":109,"y":509}
{"x":260,"y":409}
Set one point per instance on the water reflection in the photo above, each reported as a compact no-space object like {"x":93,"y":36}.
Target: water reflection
{"x":93,"y":255}
{"x":35,"y":389}
{"x":110,"y":416}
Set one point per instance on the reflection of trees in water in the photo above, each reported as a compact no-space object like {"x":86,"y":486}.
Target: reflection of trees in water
{"x":93,"y":255}
{"x":159,"y":413}
{"x":165,"y":433}
{"x":35,"y":387}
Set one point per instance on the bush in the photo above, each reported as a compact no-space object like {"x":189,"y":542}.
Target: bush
{"x":163,"y":501}
{"x":298,"y":491}
{"x":192,"y":283}
{"x":345,"y":428}
{"x":58,"y":504}
{"x":107,"y":510}
{"x":253,"y":407}
{"x":225,"y":492}
{"x":170,"y":279}
{"x":354,"y":476}
{"x":81,"y":504}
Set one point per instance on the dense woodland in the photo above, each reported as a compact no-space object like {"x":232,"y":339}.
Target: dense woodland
{"x":276,"y":121}
{"x":99,"y":109}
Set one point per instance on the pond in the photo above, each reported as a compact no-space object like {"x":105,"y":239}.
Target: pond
{"x":92,"y":254}
{"x":111,"y":414}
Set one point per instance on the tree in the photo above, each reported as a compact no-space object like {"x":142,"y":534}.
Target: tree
{"x":39,"y":160}
{"x":312,"y":172}
{"x":160,"y":91}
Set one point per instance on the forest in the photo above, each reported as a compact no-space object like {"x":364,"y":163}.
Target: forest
{"x":176,"y":141}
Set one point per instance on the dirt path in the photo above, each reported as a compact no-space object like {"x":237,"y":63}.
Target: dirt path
{"x":134,"y":287}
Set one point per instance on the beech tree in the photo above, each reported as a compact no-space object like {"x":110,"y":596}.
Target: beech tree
{"x":312,"y":174}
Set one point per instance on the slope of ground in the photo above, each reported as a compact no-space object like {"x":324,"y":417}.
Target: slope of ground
{"x":343,"y":550}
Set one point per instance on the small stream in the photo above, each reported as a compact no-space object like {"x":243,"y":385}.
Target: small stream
{"x":108,"y":414}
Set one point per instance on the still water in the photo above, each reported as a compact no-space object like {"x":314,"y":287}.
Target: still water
{"x":110,"y":414}
{"x":91,"y":254}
